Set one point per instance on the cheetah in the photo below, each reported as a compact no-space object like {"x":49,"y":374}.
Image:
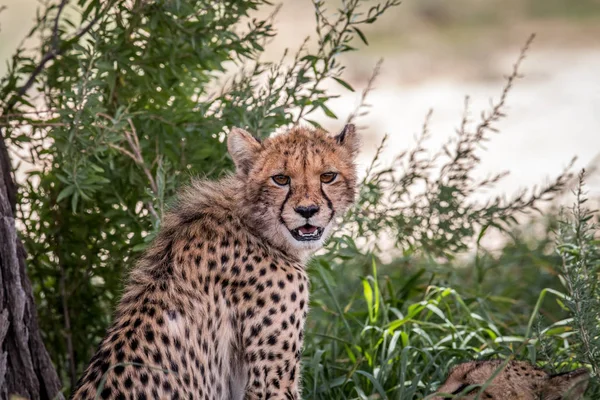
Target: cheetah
{"x":517,"y":380}
{"x":215,"y":308}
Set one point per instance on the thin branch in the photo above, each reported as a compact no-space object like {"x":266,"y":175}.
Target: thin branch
{"x":365,"y":93}
{"x":55,"y":35}
{"x":151,"y":210}
{"x":497,"y":113}
{"x":38,"y":124}
{"x":52,"y":54}
{"x":122,"y":150}
{"x":132,"y":138}
{"x":91,"y":24}
{"x":135,"y":153}
{"x":23,"y":113}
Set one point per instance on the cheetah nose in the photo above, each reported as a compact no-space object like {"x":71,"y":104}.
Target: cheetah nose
{"x":307,"y":212}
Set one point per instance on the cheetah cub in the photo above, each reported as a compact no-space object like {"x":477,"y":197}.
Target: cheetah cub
{"x":215,"y":308}
{"x":518,"y":380}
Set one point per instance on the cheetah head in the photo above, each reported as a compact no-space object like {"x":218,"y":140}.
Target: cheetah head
{"x":295,"y":184}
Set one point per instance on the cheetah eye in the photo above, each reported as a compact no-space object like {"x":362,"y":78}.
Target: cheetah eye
{"x":328,"y":177}
{"x":281,"y":180}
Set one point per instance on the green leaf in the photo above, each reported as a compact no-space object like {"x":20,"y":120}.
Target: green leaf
{"x":368,"y":294}
{"x":74,"y":201}
{"x":67,"y":191}
{"x":139,"y":247}
{"x":88,"y":10}
{"x":344,"y":84}
{"x":376,"y":287}
{"x":314,"y":123}
{"x":310,"y":57}
{"x":327,"y":111}
{"x":361,"y":35}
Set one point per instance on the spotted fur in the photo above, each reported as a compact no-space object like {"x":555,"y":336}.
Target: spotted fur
{"x":516,"y":380}
{"x":215,"y":308}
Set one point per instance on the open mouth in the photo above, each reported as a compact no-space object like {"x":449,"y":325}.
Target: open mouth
{"x":307,"y":232}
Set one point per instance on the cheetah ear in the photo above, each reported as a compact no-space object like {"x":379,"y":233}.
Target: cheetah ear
{"x":243,"y":148}
{"x":569,"y":385}
{"x":348,"y":138}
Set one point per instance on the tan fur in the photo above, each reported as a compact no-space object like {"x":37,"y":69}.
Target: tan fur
{"x":302,"y":155}
{"x":215,"y":308}
{"x":517,"y":380}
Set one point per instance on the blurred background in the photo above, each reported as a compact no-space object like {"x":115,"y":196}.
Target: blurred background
{"x":435,"y":53}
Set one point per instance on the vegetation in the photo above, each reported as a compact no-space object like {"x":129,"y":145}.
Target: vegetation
{"x":434,"y":296}
{"x":132,"y":98}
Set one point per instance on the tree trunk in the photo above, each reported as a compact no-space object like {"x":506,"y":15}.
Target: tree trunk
{"x":25,"y":366}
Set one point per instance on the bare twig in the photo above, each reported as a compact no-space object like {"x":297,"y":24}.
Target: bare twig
{"x":55,"y":35}
{"x":464,"y":145}
{"x":151,"y":210}
{"x":38,"y":124}
{"x":23,"y":113}
{"x":365,"y":93}
{"x":496,"y":112}
{"x":338,"y":38}
{"x":134,"y":143}
{"x":122,"y":150}
{"x":135,"y":153}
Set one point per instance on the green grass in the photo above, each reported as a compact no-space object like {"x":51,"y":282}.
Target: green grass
{"x":395,"y":334}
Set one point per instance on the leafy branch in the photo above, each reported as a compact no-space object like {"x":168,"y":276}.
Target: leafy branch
{"x":425,"y":201}
{"x":58,"y":47}
{"x":578,"y":247}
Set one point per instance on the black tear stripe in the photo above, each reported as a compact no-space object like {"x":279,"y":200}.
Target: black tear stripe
{"x":287,"y":197}
{"x":329,"y":204}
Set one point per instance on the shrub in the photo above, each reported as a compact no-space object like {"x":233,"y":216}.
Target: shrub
{"x":132,"y":99}
{"x":389,"y":321}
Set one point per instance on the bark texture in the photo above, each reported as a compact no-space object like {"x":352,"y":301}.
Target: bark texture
{"x":25,"y":366}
